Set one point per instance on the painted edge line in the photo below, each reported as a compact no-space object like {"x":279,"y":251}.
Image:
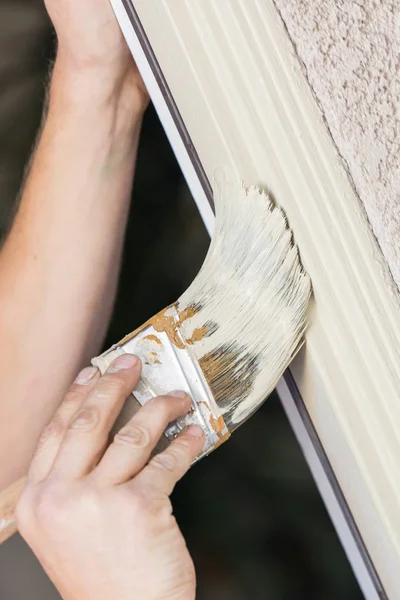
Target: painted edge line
{"x":166,"y":92}
{"x":287,"y":381}
{"x":329,"y":487}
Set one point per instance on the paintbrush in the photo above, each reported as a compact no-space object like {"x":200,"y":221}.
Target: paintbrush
{"x":230,"y":336}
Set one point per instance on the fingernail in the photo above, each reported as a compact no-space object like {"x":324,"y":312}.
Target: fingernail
{"x":195,"y":431}
{"x":123,"y":362}
{"x":86,"y":375}
{"x":178,"y":394}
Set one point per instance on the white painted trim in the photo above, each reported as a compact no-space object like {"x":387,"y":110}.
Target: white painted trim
{"x":327,"y":493}
{"x":164,"y":114}
{"x":246,"y":103}
{"x":311,"y":370}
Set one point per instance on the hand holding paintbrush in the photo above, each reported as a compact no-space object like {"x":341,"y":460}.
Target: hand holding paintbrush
{"x":232,"y":334}
{"x":98,"y":516}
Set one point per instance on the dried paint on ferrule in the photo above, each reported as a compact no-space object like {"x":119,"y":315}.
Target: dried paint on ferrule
{"x":169,"y":364}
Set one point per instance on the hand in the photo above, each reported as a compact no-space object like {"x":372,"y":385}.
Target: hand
{"x":100,"y":519}
{"x":91,"y":45}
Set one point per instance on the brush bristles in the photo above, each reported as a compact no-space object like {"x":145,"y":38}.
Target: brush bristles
{"x":249,"y":302}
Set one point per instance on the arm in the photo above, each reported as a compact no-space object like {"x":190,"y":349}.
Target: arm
{"x":59,"y":265}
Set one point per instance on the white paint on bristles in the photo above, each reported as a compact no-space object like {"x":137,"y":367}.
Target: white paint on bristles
{"x":252,"y":285}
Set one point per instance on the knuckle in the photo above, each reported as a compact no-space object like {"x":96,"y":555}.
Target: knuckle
{"x":51,"y":504}
{"x":72,"y":397}
{"x":86,"y":419}
{"x":35,"y":506}
{"x":133,"y":435}
{"x":166,"y":461}
{"x":161,"y":406}
{"x":110,"y":386}
{"x":181,"y":455}
{"x":55,"y":428}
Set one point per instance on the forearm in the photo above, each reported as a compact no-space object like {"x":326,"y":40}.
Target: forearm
{"x":59,"y":266}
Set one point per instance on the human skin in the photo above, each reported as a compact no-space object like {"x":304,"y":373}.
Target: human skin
{"x":59,"y":265}
{"x":99,"y":518}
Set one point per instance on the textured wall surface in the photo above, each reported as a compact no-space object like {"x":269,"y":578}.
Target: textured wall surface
{"x":351,"y":53}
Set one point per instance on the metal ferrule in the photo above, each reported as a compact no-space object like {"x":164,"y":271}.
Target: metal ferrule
{"x":165,"y":368}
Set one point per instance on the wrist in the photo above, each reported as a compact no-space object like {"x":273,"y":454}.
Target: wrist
{"x":94,"y":89}
{"x":95,"y":113}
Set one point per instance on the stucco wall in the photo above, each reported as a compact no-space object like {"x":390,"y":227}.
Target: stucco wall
{"x":351,"y":54}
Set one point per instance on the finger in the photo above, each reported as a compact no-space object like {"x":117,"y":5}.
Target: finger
{"x":50,"y":441}
{"x":88,"y":432}
{"x":166,"y":469}
{"x":133,"y":444}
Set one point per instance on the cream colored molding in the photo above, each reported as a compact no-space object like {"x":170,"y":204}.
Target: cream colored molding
{"x":333,"y":499}
{"x":245,"y":101}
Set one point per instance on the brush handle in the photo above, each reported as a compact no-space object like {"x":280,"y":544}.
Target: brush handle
{"x":8,"y":502}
